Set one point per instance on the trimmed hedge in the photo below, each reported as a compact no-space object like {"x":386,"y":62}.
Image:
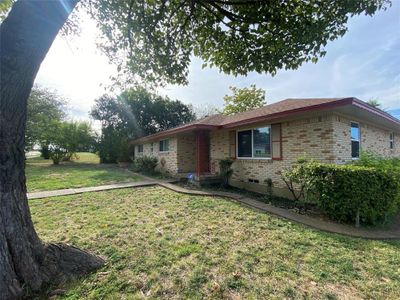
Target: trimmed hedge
{"x":347,"y":192}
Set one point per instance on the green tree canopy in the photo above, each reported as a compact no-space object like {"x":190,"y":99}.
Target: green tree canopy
{"x":44,"y":108}
{"x":243,"y":100}
{"x":68,"y":137}
{"x":137,"y":112}
{"x":374,"y":103}
{"x":155,"y":40}
{"x":134,"y":113}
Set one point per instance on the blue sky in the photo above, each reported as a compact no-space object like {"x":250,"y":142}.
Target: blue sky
{"x":365,"y":63}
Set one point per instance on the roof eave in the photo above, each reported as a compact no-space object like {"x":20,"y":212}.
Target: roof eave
{"x":171,"y":132}
{"x":279,"y":115}
{"x":360,"y":104}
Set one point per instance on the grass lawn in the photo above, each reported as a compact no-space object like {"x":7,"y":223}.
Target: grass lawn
{"x":161,"y":244}
{"x":85,"y":171}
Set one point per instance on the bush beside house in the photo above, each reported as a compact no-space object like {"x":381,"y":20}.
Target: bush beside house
{"x":371,"y":159}
{"x":226,"y":171}
{"x":355,"y":193}
{"x":145,"y":164}
{"x":348,"y":193}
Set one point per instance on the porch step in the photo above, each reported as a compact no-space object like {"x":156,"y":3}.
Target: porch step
{"x":204,"y":179}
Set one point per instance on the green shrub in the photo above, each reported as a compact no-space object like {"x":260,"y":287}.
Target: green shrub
{"x":352,"y":193}
{"x":145,"y":164}
{"x":45,"y":151}
{"x":298,"y":180}
{"x":371,"y":159}
{"x":57,"y":154}
{"x":225,"y":170}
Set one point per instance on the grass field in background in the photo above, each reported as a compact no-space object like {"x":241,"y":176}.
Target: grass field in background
{"x":82,"y":171}
{"x":163,"y":245}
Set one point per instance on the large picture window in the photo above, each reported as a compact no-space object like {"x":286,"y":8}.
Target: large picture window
{"x":164,"y":145}
{"x":254,"y":143}
{"x":355,"y":140}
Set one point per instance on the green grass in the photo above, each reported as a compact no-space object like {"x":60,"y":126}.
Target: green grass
{"x":161,"y":244}
{"x":84,"y":171}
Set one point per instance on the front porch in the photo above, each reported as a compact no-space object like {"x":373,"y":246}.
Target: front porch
{"x":196,"y":167}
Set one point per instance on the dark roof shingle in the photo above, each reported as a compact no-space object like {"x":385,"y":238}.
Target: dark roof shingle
{"x":269,"y":111}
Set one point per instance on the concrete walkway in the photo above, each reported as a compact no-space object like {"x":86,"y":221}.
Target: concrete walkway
{"x":65,"y":192}
{"x":371,"y":233}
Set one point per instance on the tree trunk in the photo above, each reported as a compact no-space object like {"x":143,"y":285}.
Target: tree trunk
{"x":25,"y":38}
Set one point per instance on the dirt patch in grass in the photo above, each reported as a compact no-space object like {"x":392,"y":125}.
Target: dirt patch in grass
{"x":161,"y":244}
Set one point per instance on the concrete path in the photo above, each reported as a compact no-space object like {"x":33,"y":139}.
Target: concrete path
{"x":372,"y":233}
{"x":369,"y":233}
{"x":64,"y":192}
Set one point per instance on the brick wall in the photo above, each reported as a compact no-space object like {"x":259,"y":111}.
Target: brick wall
{"x":187,"y":153}
{"x":373,"y":138}
{"x":311,"y":137}
{"x":167,"y":161}
{"x":181,"y":156}
{"x":325,"y":138}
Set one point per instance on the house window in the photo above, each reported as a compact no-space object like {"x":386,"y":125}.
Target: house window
{"x":391,"y":140}
{"x":254,"y":143}
{"x":164,"y":145}
{"x":244,"y":143}
{"x":152,"y":147}
{"x":355,"y":140}
{"x":140,"y":148}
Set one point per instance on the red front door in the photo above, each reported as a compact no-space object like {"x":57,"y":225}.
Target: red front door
{"x":202,"y":152}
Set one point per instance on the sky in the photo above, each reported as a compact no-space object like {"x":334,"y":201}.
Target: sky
{"x":365,"y":63}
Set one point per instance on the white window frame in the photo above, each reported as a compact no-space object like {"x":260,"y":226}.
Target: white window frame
{"x":391,"y":141}
{"x":152,"y":147}
{"x":359,"y":140}
{"x":139,"y":148}
{"x":252,"y":150}
{"x":159,"y":143}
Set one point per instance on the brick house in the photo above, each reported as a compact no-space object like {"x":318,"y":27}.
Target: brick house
{"x":265,"y":140}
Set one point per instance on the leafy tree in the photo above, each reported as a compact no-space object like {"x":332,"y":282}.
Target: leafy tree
{"x":44,"y":108}
{"x":374,"y":103}
{"x":134,"y":113}
{"x":243,"y":100}
{"x":68,"y":137}
{"x":150,"y":113}
{"x":75,"y":137}
{"x":109,"y":145}
{"x":150,"y":41}
{"x":114,"y":127}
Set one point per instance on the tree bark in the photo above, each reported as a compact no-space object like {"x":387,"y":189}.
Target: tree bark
{"x":25,"y":38}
